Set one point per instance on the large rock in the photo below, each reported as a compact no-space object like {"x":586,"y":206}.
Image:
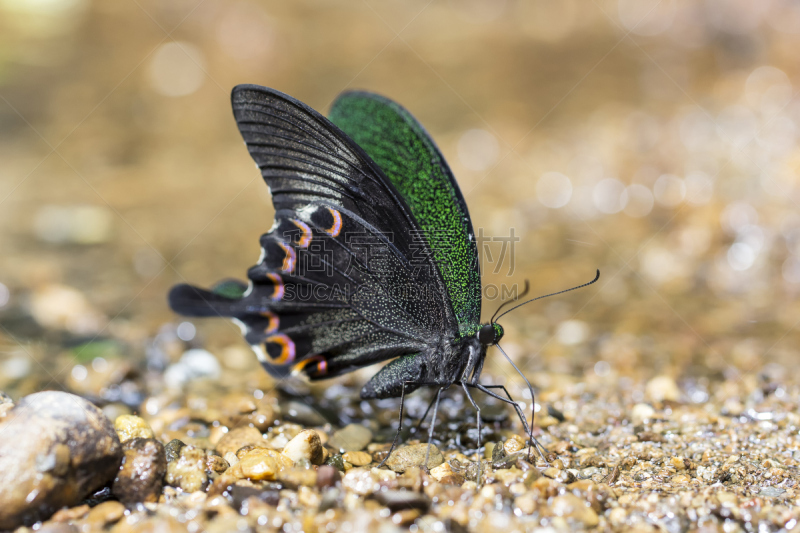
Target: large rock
{"x":55,"y":449}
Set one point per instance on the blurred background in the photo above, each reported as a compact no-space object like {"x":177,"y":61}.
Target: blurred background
{"x":654,"y":140}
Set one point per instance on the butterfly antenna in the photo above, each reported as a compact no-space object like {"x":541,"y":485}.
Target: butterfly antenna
{"x":502,"y":305}
{"x":533,"y":402}
{"x":553,"y":294}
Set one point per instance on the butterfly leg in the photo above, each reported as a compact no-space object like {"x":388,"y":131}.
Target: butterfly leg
{"x":477,"y":409}
{"x":539,"y":448}
{"x":433,"y":424}
{"x":400,"y":421}
{"x":528,"y":429}
{"x":399,"y":424}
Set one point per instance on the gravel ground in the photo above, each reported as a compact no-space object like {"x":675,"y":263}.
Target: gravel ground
{"x":623,"y":456}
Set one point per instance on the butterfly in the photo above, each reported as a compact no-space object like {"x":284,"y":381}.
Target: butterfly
{"x":371,"y":257}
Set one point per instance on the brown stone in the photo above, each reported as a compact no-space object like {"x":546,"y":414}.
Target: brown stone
{"x":357,"y":458}
{"x":70,"y":514}
{"x":414,"y":455}
{"x":130,"y":427}
{"x":189,"y":471}
{"x":55,"y":449}
{"x":104,"y":514}
{"x":239,"y":438}
{"x":259,"y":464}
{"x":306,"y":445}
{"x":141,"y":475}
{"x":327,"y":476}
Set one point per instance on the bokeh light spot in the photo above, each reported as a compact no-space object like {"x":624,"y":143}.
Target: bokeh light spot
{"x":669,"y":190}
{"x":741,"y":256}
{"x":737,"y":215}
{"x":609,"y":196}
{"x":699,"y":188}
{"x":640,"y":201}
{"x":553,"y":190}
{"x":177,"y":69}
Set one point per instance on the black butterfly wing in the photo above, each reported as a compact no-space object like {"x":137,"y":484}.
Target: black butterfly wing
{"x":343,"y":280}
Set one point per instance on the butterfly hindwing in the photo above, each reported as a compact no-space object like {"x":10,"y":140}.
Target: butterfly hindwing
{"x":410,"y":159}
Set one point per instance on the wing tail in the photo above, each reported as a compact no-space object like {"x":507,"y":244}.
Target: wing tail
{"x":189,"y":300}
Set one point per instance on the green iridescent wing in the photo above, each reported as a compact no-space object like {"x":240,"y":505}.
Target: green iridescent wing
{"x":405,"y":152}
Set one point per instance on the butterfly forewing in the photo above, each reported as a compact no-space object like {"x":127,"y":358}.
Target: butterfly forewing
{"x":410,"y":159}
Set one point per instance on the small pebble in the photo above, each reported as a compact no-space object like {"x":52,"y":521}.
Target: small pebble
{"x":771,"y":492}
{"x":337,"y":461}
{"x":397,"y":500}
{"x":514,"y":444}
{"x":69,"y":514}
{"x":192,"y":365}
{"x":260,"y":464}
{"x":662,"y":388}
{"x":141,"y":474}
{"x":65,"y":308}
{"x":406,"y":457}
{"x":215,"y":463}
{"x":570,"y":506}
{"x":498,"y":452}
{"x":201,"y":363}
{"x":240,"y":494}
{"x":444,"y":474}
{"x":188,"y":472}
{"x":406,"y":517}
{"x":327,"y":476}
{"x":172,"y":450}
{"x":293,"y":478}
{"x":238,"y":438}
{"x":351,"y":438}
{"x":618,"y":516}
{"x":677,"y":463}
{"x":642,"y":412}
{"x":103,"y":514}
{"x":306,"y":445}
{"x":357,"y":458}
{"x":526,"y":503}
{"x":131,"y":427}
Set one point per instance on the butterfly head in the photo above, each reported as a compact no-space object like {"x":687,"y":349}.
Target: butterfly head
{"x":490,"y":334}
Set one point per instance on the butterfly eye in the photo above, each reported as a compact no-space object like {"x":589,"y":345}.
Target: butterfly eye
{"x":498,"y":332}
{"x":486,"y":334}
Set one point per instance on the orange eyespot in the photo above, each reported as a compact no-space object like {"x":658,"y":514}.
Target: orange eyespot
{"x":321,"y":366}
{"x":334,"y":230}
{"x":289,"y":259}
{"x":287,"y":348}
{"x":305,"y":238}
{"x":272,"y":326}
{"x":278,"y":284}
